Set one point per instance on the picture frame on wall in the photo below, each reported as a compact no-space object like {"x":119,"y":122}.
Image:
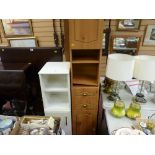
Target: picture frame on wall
{"x":23,"y":42}
{"x":149,"y":39}
{"x":128,"y":24}
{"x":125,"y":43}
{"x":17,"y":27}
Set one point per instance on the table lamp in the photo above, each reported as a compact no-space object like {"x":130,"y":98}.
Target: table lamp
{"x":120,"y":67}
{"x":144,"y":71}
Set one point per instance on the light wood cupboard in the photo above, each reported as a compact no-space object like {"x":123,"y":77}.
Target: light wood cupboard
{"x":84,"y":122}
{"x":85,"y":108}
{"x":83,"y":48}
{"x":86,"y":34}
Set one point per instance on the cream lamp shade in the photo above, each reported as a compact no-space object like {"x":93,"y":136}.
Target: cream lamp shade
{"x":145,"y":68}
{"x":120,"y":67}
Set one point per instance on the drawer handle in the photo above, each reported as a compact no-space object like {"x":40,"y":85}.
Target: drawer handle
{"x":85,"y":105}
{"x":84,"y":94}
{"x":83,"y":38}
{"x":66,"y":121}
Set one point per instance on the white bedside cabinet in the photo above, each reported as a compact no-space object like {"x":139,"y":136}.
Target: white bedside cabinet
{"x":55,"y":88}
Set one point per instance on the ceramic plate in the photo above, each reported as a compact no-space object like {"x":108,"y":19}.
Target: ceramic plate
{"x":6,"y":123}
{"x":128,"y":131}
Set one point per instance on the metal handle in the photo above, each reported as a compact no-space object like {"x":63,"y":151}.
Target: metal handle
{"x":84,"y":94}
{"x":83,"y":38}
{"x":85,"y":105}
{"x":66,"y":121}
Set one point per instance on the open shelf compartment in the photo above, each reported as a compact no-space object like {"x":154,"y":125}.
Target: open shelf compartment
{"x":61,"y":107}
{"x":86,"y":56}
{"x":85,"y":74}
{"x":55,"y":82}
{"x":56,"y":101}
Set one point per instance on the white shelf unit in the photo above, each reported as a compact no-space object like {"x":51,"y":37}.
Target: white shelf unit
{"x":55,"y":86}
{"x":58,"y":82}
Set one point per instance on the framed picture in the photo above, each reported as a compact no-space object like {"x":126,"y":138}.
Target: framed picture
{"x":23,"y":42}
{"x":128,"y":24}
{"x":17,"y":27}
{"x":122,"y":43}
{"x":149,"y":39}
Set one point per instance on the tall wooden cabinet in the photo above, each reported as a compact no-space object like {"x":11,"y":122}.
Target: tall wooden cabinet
{"x":83,"y":47}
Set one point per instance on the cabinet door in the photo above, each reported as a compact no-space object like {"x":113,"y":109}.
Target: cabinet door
{"x":86,"y":33}
{"x":84,"y":122}
{"x":84,"y":110}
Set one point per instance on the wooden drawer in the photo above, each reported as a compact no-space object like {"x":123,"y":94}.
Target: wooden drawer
{"x":84,"y":103}
{"x":85,"y":91}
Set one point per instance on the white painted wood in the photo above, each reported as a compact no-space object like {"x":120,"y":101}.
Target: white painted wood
{"x":55,"y":81}
{"x":55,"y":68}
{"x":66,"y":122}
{"x":56,"y":90}
{"x":57,"y":107}
{"x":55,"y":86}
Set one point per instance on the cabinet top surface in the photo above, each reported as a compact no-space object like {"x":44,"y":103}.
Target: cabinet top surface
{"x":55,"y":68}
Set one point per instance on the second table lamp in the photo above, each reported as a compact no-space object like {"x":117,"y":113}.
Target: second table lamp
{"x":144,"y":71}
